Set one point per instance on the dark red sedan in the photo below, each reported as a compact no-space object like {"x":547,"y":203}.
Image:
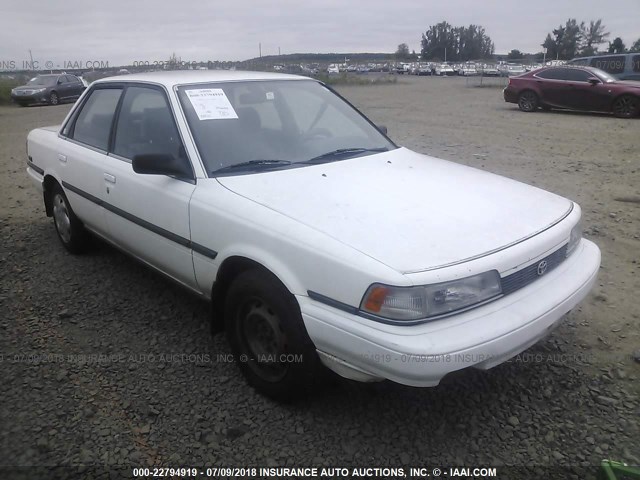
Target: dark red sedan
{"x":574,"y":88}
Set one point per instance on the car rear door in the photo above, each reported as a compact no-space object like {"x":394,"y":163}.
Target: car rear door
{"x":81,"y":157}
{"x":148,"y":215}
{"x":552,"y":87}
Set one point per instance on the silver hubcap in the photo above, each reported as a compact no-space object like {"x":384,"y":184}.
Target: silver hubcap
{"x":264,"y":340}
{"x":54,"y":99}
{"x":61,"y":218}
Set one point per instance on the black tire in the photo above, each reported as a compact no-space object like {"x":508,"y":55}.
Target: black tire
{"x":54,"y":99}
{"x":626,"y":106}
{"x":72,"y":234}
{"x":528,"y":101}
{"x":264,"y":327}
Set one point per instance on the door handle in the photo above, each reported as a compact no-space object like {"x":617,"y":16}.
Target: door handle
{"x":62,"y":158}
{"x":110,"y":178}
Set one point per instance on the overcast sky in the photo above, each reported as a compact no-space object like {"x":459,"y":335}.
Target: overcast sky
{"x":122,"y":31}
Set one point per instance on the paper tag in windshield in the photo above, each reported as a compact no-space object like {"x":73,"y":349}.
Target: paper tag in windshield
{"x":211,"y":104}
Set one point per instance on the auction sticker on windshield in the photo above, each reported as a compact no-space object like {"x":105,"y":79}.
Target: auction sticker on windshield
{"x":211,"y":104}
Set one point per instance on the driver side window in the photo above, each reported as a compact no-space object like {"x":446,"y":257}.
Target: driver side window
{"x":146,"y":126}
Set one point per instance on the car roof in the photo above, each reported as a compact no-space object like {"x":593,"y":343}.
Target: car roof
{"x":183,"y":77}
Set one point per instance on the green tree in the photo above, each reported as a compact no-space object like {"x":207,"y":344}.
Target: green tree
{"x":617,"y":46}
{"x":595,"y":34}
{"x":442,"y":41}
{"x":636,"y":46}
{"x":402,"y":53}
{"x":515,"y":55}
{"x":571,"y":39}
{"x":551,"y":46}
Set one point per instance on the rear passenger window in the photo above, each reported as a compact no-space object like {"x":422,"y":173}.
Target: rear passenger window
{"x":146,"y":126}
{"x":609,"y":64}
{"x":93,"y":125}
{"x":552,"y":74}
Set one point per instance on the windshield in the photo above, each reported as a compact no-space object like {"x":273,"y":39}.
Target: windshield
{"x":43,"y":80}
{"x":266,"y":125}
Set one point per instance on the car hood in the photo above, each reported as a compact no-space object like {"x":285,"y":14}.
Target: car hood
{"x":629,"y":83}
{"x":409,"y":211}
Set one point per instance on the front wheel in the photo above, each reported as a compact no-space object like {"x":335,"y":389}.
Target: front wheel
{"x":69,"y":228}
{"x":626,"y":106}
{"x":267,"y":336}
{"x":53,"y":98}
{"x":528,"y":101}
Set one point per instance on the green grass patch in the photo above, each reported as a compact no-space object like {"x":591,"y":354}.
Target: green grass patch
{"x":5,"y":90}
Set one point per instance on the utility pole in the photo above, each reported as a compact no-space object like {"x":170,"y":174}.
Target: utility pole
{"x":31,"y":57}
{"x":278,"y":51}
{"x":260,"y":49}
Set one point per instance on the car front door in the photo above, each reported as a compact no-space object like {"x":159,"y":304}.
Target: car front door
{"x":63,"y":88}
{"x":81,"y":157}
{"x":148,"y":215}
{"x":76,"y":86}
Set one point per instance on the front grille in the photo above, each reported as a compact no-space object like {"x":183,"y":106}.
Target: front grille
{"x":530,"y":274}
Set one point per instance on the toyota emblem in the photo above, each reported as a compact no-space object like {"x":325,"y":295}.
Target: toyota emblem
{"x":542,"y":267}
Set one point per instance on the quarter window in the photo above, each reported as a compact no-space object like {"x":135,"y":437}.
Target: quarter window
{"x":93,"y":124}
{"x":146,"y":126}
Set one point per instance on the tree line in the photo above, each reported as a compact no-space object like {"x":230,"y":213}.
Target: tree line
{"x":575,"y":39}
{"x":446,"y":42}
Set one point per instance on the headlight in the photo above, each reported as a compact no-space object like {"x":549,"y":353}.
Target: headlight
{"x":38,"y":90}
{"x":422,"y":302}
{"x":574,"y":237}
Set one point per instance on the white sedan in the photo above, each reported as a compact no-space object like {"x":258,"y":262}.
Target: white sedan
{"x":319,"y":241}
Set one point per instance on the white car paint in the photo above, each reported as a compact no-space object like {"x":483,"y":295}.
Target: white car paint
{"x":397,"y":218}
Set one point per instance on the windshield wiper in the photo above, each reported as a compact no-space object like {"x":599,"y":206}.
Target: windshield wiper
{"x":343,"y":152}
{"x":253,"y":164}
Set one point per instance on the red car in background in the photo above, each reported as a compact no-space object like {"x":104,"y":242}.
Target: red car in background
{"x":574,"y":88}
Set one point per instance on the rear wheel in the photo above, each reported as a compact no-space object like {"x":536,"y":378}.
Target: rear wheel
{"x":528,"y":101}
{"x":69,"y":228}
{"x":53,"y":98}
{"x":267,"y":336}
{"x":626,"y":106}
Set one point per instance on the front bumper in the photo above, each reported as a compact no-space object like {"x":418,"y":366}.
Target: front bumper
{"x":483,"y":337}
{"x":31,"y":98}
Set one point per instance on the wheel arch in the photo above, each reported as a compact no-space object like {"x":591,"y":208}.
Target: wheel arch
{"x":232,"y":266}
{"x":48,"y":184}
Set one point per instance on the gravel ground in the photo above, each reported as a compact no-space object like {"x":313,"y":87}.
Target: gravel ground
{"x":106,"y":363}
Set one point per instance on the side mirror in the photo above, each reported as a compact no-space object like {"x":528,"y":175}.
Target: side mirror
{"x":59,"y":82}
{"x":593,"y":81}
{"x":382,"y":128}
{"x":160,"y":164}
